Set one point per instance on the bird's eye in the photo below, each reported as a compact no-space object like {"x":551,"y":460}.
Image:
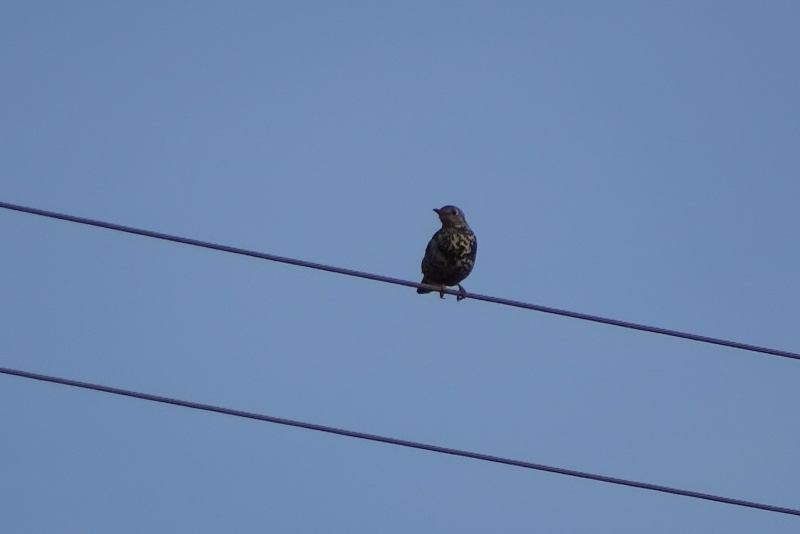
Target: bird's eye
{"x":454,"y":212}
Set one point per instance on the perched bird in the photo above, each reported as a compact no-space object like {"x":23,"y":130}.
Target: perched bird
{"x":450,"y":254}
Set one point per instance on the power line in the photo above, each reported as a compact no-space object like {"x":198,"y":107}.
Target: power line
{"x":399,"y":442}
{"x":397,"y":281}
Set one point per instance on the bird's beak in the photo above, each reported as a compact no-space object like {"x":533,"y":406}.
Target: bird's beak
{"x":438,"y":211}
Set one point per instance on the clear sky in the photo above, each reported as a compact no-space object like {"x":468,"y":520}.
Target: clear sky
{"x":637,"y":160}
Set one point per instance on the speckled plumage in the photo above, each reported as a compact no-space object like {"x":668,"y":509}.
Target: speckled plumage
{"x":450,"y":255}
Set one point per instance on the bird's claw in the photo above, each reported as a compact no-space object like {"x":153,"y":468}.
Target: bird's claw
{"x":462,"y":293}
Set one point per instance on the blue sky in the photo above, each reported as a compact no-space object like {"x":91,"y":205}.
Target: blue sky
{"x":636,"y":160}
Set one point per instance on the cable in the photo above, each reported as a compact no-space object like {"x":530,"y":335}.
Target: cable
{"x":397,"y":281}
{"x":399,"y":442}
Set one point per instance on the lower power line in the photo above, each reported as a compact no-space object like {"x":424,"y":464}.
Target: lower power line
{"x":400,"y":442}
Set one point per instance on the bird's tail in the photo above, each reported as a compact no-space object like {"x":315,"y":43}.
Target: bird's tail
{"x":421,"y":290}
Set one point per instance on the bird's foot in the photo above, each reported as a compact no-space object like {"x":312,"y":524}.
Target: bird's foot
{"x":462,"y":293}
{"x":441,"y":292}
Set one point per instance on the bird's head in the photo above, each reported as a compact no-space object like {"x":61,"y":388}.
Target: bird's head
{"x":451,"y":216}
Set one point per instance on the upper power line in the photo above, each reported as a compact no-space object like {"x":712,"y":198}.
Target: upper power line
{"x":401,"y":442}
{"x":397,"y":281}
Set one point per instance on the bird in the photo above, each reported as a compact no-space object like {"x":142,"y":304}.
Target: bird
{"x":450,"y":254}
